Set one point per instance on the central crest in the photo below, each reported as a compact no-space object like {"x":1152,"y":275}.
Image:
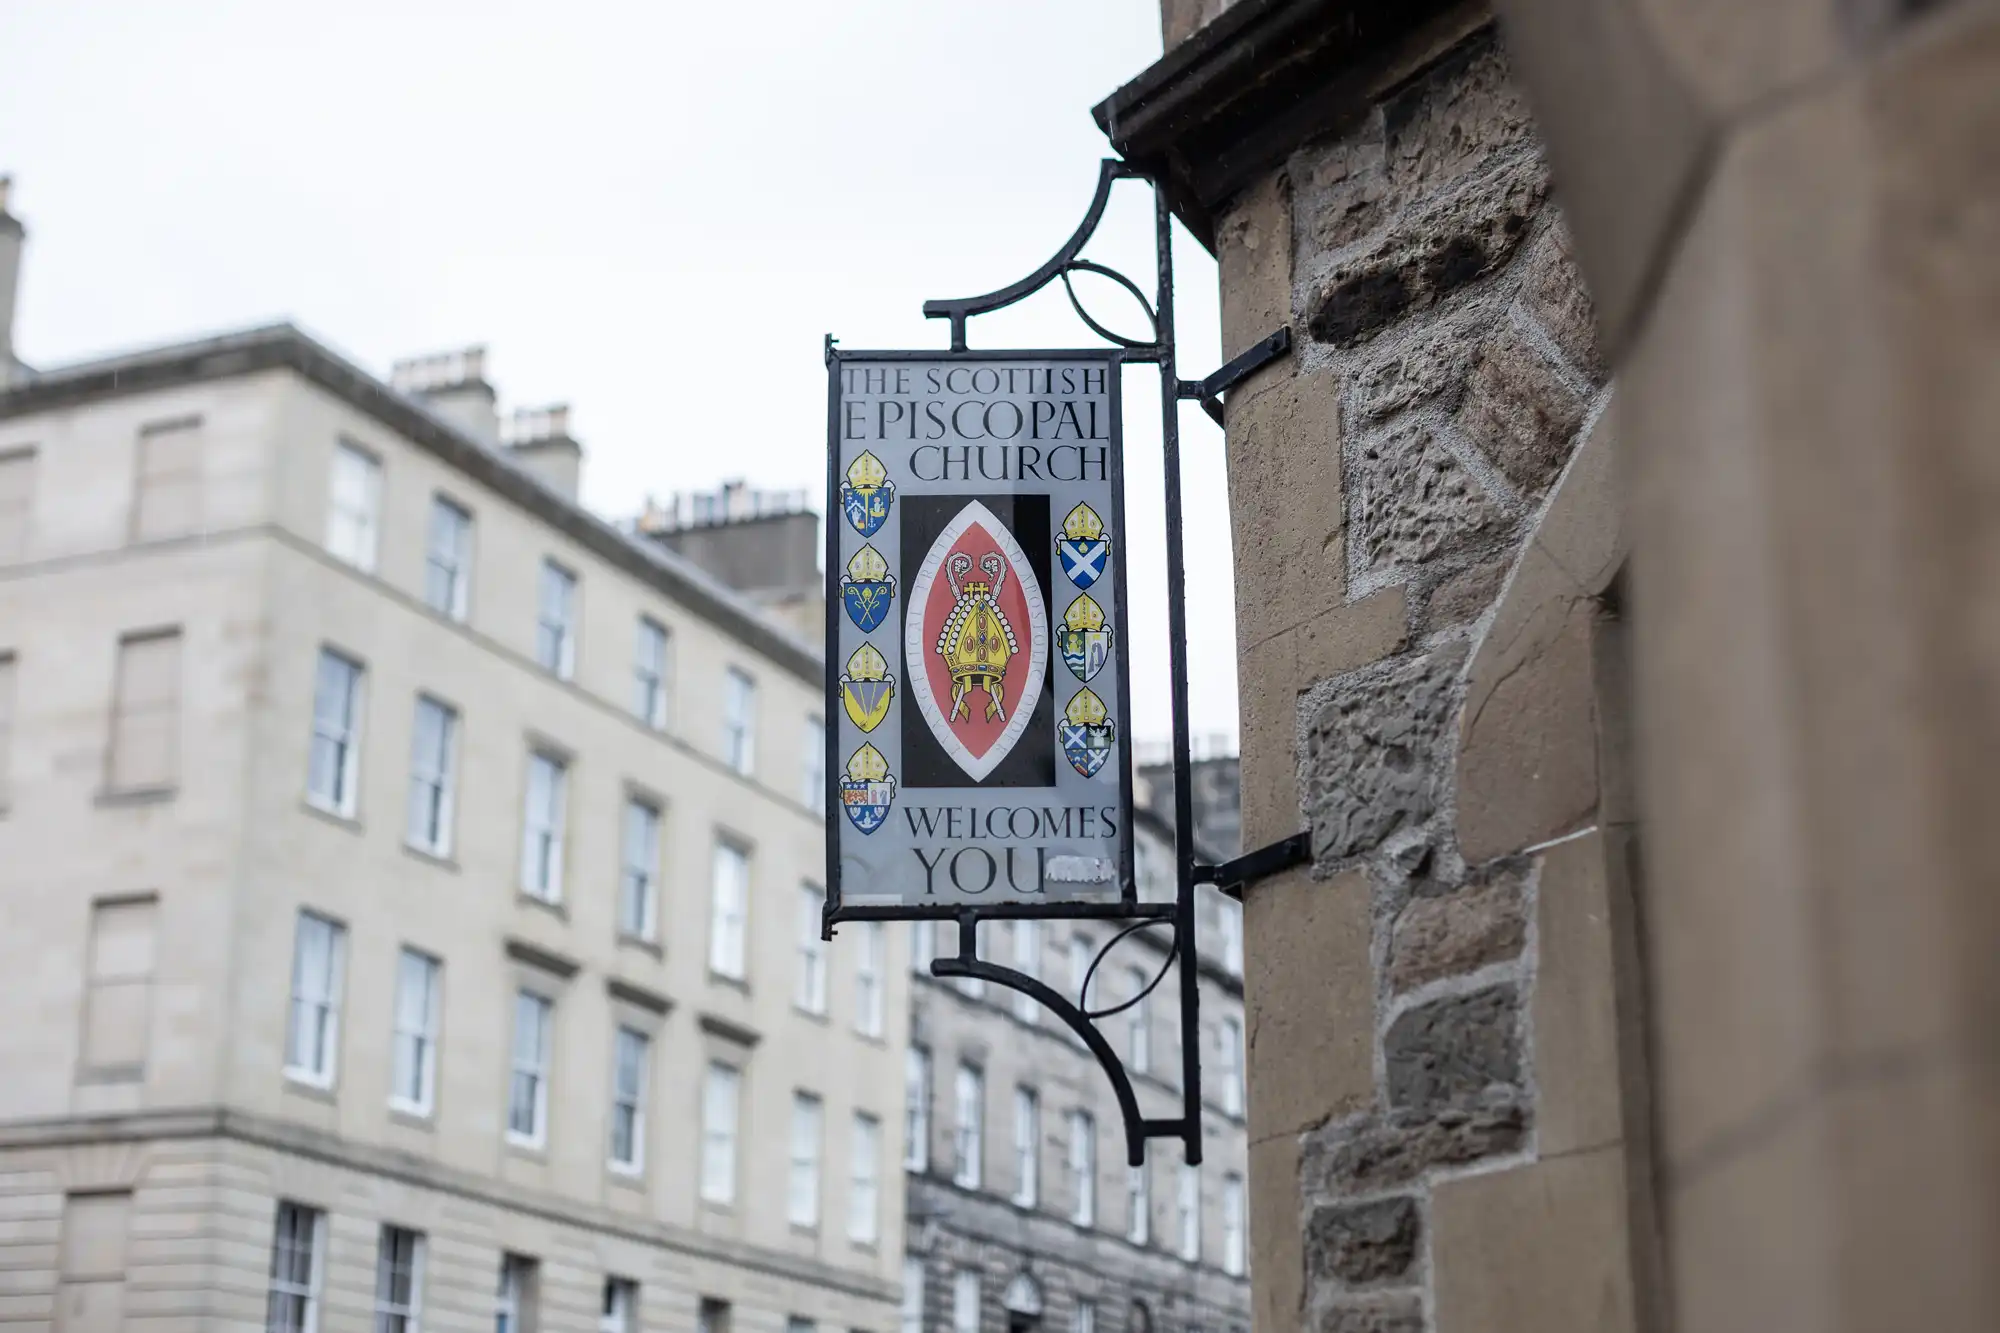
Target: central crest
{"x":976,"y":640}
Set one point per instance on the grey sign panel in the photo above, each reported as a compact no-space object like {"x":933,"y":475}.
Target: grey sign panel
{"x":978,"y":677}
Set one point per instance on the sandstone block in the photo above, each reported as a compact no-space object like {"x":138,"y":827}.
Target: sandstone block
{"x":1451,"y":1051}
{"x":1555,"y":296}
{"x":1346,"y":187}
{"x":1253,"y":249}
{"x":1286,"y":516}
{"x":1268,"y":774}
{"x":1356,"y":1244}
{"x":1372,"y":751}
{"x":1425,"y":367}
{"x":1392,"y":1314}
{"x":1308,"y":997}
{"x":1413,"y":499}
{"x":1584,"y":1013}
{"x":1456,"y":933}
{"x":1350,"y":636}
{"x":1466,"y":111}
{"x":1429,"y":252}
{"x":1276,"y":1238}
{"x":1383,"y":1152}
{"x":1465,"y":595}
{"x":1520,"y":410}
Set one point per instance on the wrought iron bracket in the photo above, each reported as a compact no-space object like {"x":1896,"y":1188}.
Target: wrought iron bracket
{"x":1233,"y":876}
{"x":1239,"y":368}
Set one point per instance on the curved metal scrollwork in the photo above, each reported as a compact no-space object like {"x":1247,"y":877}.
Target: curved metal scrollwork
{"x":959,"y":309}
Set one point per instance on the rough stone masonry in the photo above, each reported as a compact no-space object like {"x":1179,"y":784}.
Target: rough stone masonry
{"x":1389,"y":487}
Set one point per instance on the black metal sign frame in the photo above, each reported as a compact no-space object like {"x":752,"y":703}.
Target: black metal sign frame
{"x":1178,"y":915}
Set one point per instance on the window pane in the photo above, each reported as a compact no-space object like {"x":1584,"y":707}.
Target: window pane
{"x":802,"y":1198}
{"x":718,"y":1129}
{"x":729,"y":900}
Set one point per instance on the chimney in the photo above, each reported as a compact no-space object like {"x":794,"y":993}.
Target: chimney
{"x":764,"y":544}
{"x":539,"y":439}
{"x":12,"y":237}
{"x":454,"y":385}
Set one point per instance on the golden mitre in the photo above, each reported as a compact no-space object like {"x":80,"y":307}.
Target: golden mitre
{"x":867,"y":566}
{"x":1084,"y":614}
{"x":866,"y":473}
{"x":1083,"y":524}
{"x":1085,"y":709}
{"x":867,"y":765}
{"x":867,"y":664}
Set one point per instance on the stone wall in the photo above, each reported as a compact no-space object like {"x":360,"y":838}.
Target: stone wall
{"x":1447,"y":1095}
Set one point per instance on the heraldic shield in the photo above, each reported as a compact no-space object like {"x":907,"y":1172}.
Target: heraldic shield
{"x":867,"y":790}
{"x":1088,"y":733}
{"x":868,"y":589}
{"x":866,"y":495}
{"x":976,"y":640}
{"x":867,"y":688}
{"x":1084,"y":639}
{"x":1083,"y":548}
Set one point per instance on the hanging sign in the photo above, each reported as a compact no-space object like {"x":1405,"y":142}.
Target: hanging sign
{"x":976,"y":672}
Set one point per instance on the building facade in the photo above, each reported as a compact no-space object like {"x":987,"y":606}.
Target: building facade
{"x":1623,"y":646}
{"x":411,"y":883}
{"x":1022,"y":1214}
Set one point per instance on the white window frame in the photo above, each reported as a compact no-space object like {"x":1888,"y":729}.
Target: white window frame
{"x":286,"y":1286}
{"x":729,"y":909}
{"x":1139,"y":1033}
{"x":1187,"y":1206}
{"x":431,"y":805}
{"x":619,"y":1307}
{"x":812,"y":777}
{"x":543,"y":830}
{"x":556,"y":619}
{"x":969,"y":1129}
{"x":639,"y":869}
{"x":652,"y":658}
{"x":533,"y":1014}
{"x":809,"y":994}
{"x":864,"y":1184}
{"x":392,"y":1315}
{"x":337,"y":725}
{"x":1138,"y":1205}
{"x":413,"y":1037}
{"x":1028,"y":960}
{"x":1230,"y":1038}
{"x":721,"y":1113}
{"x":1083,"y":1317}
{"x":802,"y":1183}
{"x":1027,"y":1147}
{"x":910,"y":1316}
{"x":1234,"y":1232}
{"x":513,"y":1291}
{"x":353,"y":535}
{"x":739,"y":720}
{"x":917,"y":1109}
{"x":448,"y":558}
{"x":315,"y":1003}
{"x":965,"y":1297}
{"x":870,"y":978}
{"x":631,"y":1060}
{"x":1083,"y":1167}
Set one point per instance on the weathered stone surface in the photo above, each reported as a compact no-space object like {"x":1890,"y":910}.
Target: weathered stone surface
{"x":1345,"y":189}
{"x":1276,"y":1238}
{"x":1427,"y":367}
{"x":1449,"y":1052}
{"x":1371,"y":753}
{"x":1589,"y":1036}
{"x":1554,"y":295}
{"x":1268,"y":707}
{"x":1456,"y":933}
{"x":1389,"y":1314}
{"x":1520,"y":410}
{"x":1466,"y":111}
{"x":1412,"y":498}
{"x":1253,"y":252}
{"x":1383,"y":1152}
{"x":1465,"y":595}
{"x":1360,"y":1243}
{"x":1429,"y":252}
{"x":1351,"y":636}
{"x":1307,"y":1000}
{"x":1285,"y":503}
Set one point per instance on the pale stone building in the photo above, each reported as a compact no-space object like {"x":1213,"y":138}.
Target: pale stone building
{"x":409,"y":883}
{"x":1625,"y":650}
{"x":1023,"y":1215}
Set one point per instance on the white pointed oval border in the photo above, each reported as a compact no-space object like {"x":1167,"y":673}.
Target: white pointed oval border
{"x":916,"y":667}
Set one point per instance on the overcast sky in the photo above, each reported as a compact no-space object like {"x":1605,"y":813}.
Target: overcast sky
{"x":651,"y":212}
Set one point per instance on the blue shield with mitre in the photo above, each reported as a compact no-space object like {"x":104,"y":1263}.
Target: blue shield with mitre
{"x":867,"y":509}
{"x":1086,"y":746}
{"x":867,"y":600}
{"x":867,"y":803}
{"x":1083,"y":558}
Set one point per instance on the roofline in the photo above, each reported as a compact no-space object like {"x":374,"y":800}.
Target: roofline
{"x":285,"y":347}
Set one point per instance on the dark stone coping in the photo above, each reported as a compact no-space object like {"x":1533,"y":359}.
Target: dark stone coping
{"x":717,"y":1026}
{"x":1264,"y":78}
{"x":632,"y":993}
{"x":283,"y":346}
{"x":546,"y":960}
